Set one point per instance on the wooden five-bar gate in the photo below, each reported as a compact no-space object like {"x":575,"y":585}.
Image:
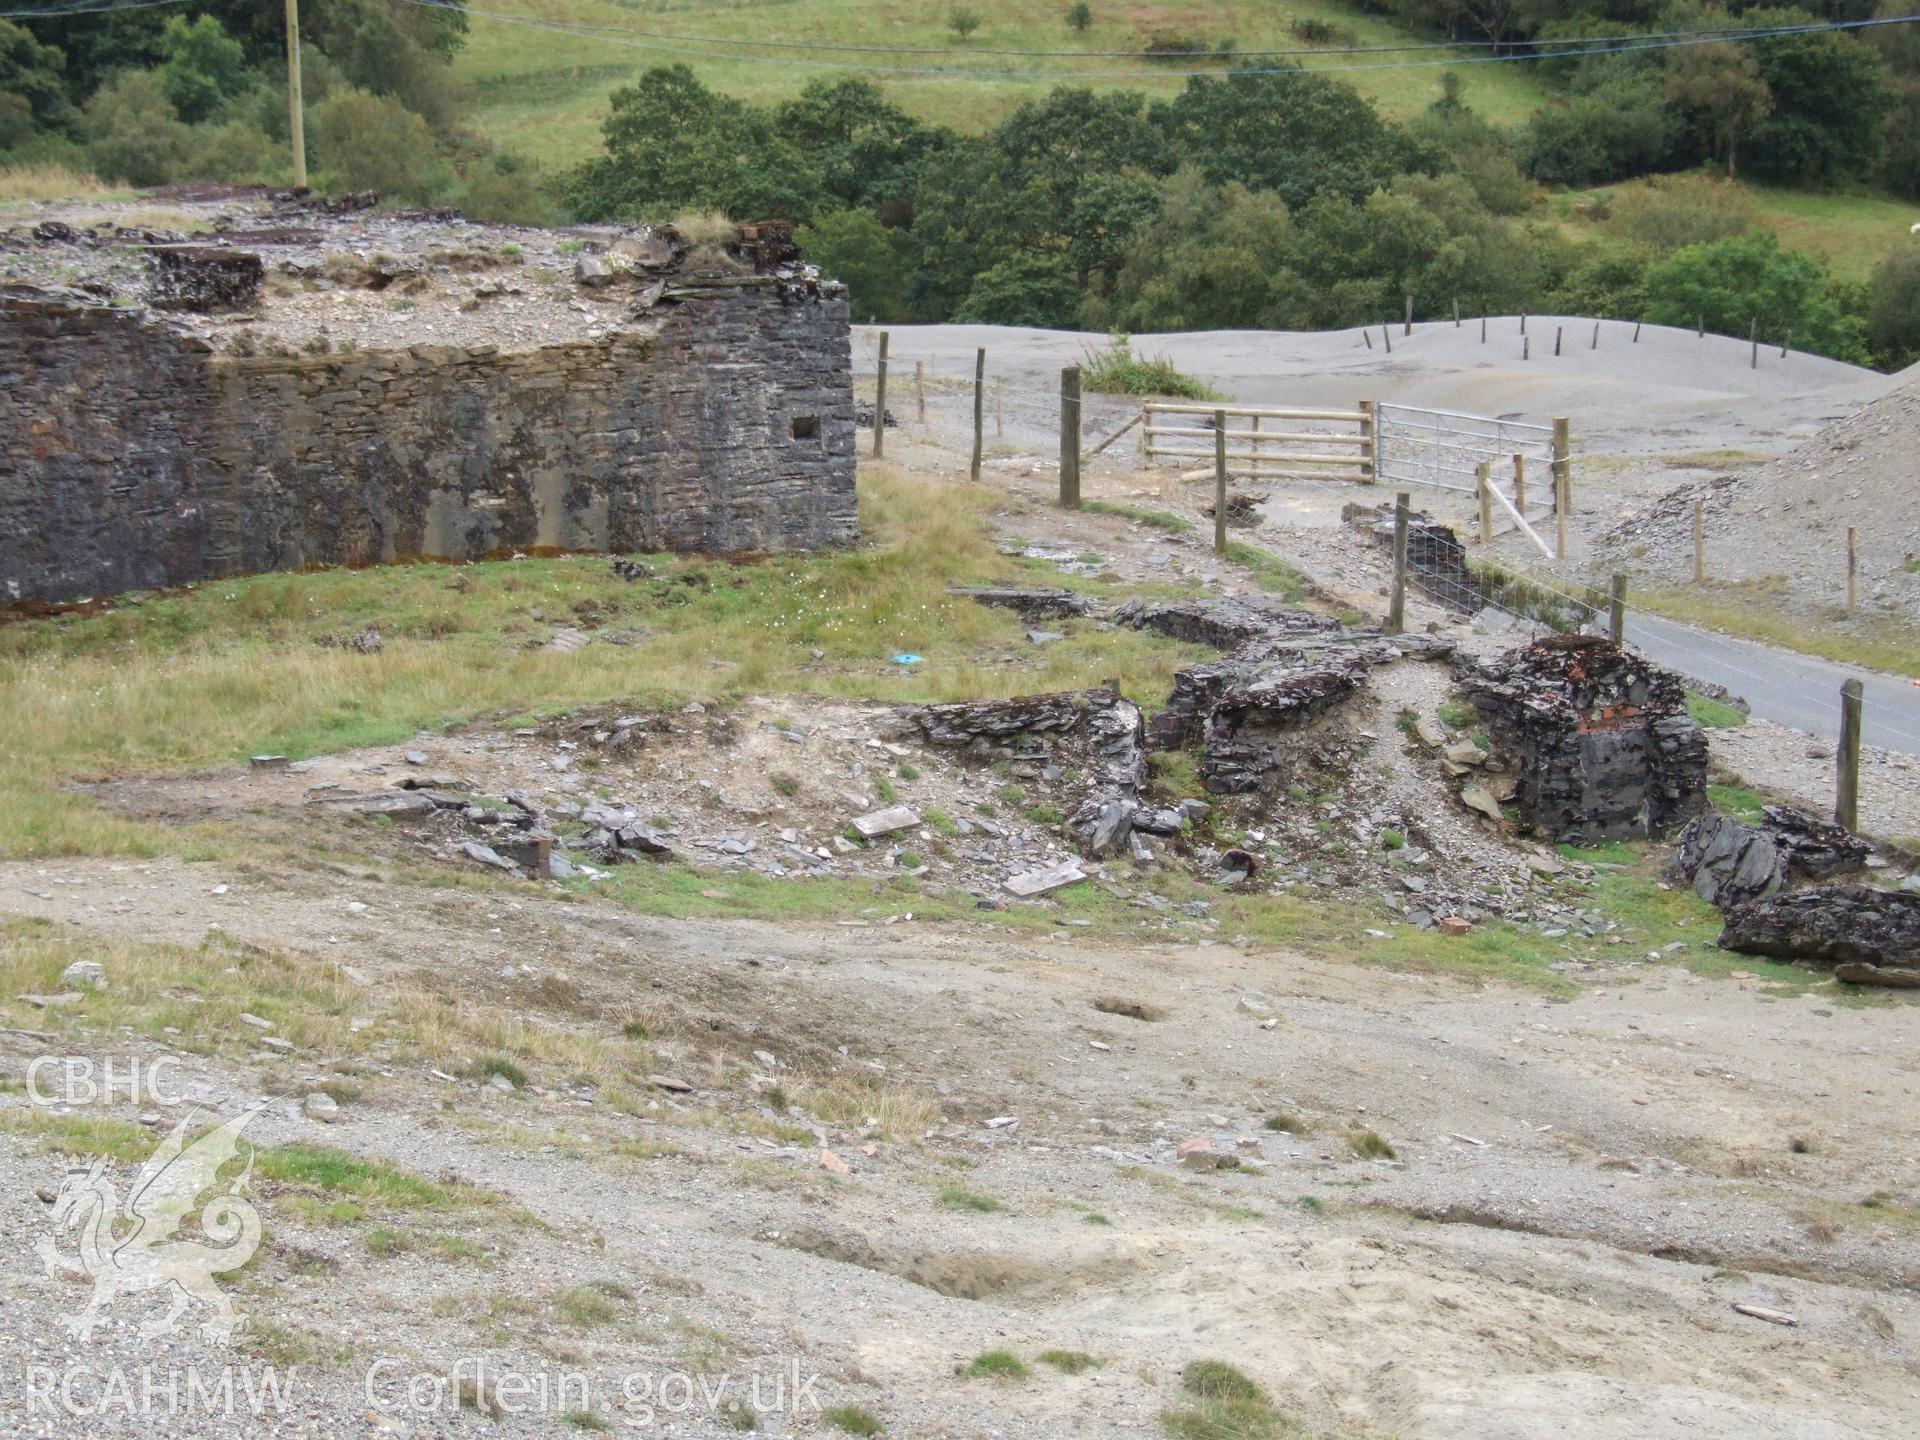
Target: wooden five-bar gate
{"x":1506,"y":465}
{"x":1279,"y":450}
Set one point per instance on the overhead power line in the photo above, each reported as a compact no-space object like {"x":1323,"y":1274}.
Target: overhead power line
{"x":57,"y":12}
{"x":642,"y":40}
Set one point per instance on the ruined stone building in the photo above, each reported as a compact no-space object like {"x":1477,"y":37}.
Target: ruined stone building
{"x":1600,"y":739}
{"x":271,"y":388}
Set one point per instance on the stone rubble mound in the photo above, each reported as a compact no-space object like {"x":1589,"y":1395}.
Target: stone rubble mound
{"x":1870,"y":935}
{"x":1728,"y":861}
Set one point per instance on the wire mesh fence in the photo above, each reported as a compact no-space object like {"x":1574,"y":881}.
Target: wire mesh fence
{"x":1020,"y":417}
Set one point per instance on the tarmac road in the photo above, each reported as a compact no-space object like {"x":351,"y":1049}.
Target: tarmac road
{"x":1784,"y":687}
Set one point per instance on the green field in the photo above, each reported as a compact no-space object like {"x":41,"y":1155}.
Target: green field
{"x":545,"y":93}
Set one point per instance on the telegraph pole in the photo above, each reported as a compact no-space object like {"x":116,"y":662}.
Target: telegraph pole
{"x":295,"y":117}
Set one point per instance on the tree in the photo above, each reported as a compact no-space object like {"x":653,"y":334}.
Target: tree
{"x":1619,"y":130}
{"x":1294,"y":133}
{"x":33,"y":88}
{"x":1893,"y":309}
{"x":1080,"y":17}
{"x":875,"y":263}
{"x":1721,"y":84}
{"x":1733,"y":283}
{"x":1830,"y":99}
{"x":1213,"y":257}
{"x":673,"y":145}
{"x":1033,"y":290}
{"x":1492,"y":18}
{"x":963,"y":22}
{"x":868,"y":151}
{"x":205,"y":66}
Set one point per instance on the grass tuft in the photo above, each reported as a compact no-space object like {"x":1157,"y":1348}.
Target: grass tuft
{"x":957,"y":1197}
{"x":1069,"y":1362}
{"x":1370,"y":1145}
{"x":996,"y":1365}
{"x":851,"y":1419}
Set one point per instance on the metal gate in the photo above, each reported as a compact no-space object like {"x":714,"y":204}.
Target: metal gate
{"x":1445,"y":450}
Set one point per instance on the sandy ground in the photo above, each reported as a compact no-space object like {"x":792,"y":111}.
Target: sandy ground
{"x":1582,"y":1193}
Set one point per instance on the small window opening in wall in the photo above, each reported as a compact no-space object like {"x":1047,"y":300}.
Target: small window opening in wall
{"x":806,"y":427}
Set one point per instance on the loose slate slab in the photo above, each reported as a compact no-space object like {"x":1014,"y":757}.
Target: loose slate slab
{"x":885,"y":822}
{"x":1039,"y":882}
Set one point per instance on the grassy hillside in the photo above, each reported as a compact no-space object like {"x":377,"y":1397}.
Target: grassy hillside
{"x":545,"y":93}
{"x":1851,"y":232}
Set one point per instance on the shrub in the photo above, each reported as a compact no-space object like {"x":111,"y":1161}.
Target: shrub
{"x":373,"y":142}
{"x":1671,"y":212}
{"x":1117,"y":370}
{"x":1310,"y":31}
{"x":133,"y":132}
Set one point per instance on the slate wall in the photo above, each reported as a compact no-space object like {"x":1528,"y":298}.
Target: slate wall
{"x":131,"y":456}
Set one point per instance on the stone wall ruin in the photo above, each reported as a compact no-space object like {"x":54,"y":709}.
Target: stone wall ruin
{"x":1601,"y":739}
{"x":142,"y":444}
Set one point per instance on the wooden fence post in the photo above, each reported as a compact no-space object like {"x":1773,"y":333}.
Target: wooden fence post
{"x":1636,"y":332}
{"x":1070,"y":438}
{"x":1409,"y":326}
{"x":1483,"y":487}
{"x":1483,"y":329}
{"x":1563,"y":464}
{"x":1526,"y":347}
{"x":920,"y":388}
{"x":1000,"y":408}
{"x":1753,"y":339}
{"x":1596,"y":336}
{"x":1558,"y":331}
{"x":979,"y":408}
{"x":1846,"y":800}
{"x":1699,"y":544}
{"x":1456,"y":312}
{"x":1520,"y":483}
{"x":1397,"y":606}
{"x":880,"y":403}
{"x":1559,"y":523}
{"x":1370,"y":437}
{"x":1523,"y":322}
{"x":1219,"y":482}
{"x":1786,"y":344}
{"x":1386,"y":333}
{"x":1617,"y":611}
{"x":1853,"y":569}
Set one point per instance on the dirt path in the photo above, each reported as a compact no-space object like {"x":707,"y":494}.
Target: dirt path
{"x":1648,"y":1155}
